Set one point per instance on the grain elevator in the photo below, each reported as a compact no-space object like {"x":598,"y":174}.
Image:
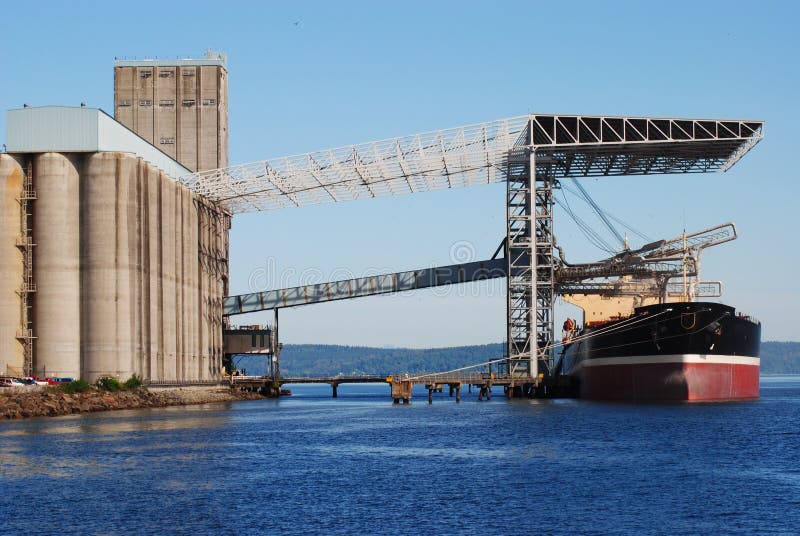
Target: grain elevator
{"x":109,"y":266}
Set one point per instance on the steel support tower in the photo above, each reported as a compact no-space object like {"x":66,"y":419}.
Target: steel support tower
{"x":531,"y":269}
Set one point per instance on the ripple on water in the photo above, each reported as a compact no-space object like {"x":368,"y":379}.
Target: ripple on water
{"x":311,"y":464}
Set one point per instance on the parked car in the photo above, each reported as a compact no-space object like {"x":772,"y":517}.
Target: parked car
{"x":58,"y":381}
{"x":10,"y":382}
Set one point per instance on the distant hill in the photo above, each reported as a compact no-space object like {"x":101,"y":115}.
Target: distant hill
{"x":328,"y":360}
{"x":780,"y":357}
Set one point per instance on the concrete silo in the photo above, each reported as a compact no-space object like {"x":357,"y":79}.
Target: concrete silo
{"x":98,"y":260}
{"x":11,"y":350}
{"x":168,"y":279}
{"x":128,"y":267}
{"x":56,"y":266}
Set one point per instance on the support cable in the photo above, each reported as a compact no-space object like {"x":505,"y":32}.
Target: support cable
{"x":591,"y":235}
{"x":620,"y":327}
{"x":599,"y":211}
{"x":609,"y":215}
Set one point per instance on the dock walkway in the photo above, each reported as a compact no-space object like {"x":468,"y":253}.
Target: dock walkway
{"x":403,"y":384}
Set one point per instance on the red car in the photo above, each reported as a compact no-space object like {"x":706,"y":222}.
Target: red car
{"x":58,"y":381}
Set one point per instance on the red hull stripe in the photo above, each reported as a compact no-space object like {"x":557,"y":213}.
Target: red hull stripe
{"x":674,"y":358}
{"x":672,"y":380}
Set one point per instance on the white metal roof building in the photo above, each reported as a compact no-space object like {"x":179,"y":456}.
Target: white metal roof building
{"x":69,"y":129}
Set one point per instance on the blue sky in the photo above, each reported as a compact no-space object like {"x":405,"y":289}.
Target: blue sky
{"x":351,"y":72}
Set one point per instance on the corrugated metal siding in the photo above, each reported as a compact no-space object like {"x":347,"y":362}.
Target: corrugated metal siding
{"x":63,"y":129}
{"x":51,"y":129}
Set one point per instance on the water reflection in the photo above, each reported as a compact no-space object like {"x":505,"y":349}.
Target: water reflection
{"x":14,"y":464}
{"x":94,"y":426}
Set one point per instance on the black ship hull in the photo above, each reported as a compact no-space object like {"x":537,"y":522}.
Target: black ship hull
{"x":692,"y":351}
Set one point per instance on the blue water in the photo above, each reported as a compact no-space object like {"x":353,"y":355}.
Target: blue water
{"x":309,"y":464}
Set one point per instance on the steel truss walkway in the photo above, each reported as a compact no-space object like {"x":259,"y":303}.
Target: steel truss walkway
{"x":531,"y":153}
{"x":567,"y":280}
{"x":365,"y":286}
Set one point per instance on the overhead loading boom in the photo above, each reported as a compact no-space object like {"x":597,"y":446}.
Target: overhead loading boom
{"x":365,"y":286}
{"x":655,"y":261}
{"x":694,"y":242}
{"x":570,"y":146}
{"x":641,"y":268}
{"x":450,"y":275}
{"x":639,"y":288}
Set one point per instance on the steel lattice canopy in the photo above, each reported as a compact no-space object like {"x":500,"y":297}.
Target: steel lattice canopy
{"x":571,"y":146}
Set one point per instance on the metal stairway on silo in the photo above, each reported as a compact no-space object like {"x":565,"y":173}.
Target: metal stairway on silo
{"x":27,"y":288}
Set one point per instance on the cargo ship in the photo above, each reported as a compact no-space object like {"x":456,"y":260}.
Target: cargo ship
{"x":678,"y":351}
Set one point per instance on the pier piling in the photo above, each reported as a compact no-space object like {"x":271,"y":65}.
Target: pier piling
{"x":401,"y":390}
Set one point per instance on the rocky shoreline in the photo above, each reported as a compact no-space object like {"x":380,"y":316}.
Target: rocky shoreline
{"x":52,"y":402}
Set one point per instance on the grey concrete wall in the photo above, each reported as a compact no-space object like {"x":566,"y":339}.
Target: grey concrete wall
{"x":181,"y":109}
{"x":11,"y":351}
{"x":124,"y":268}
{"x":169,"y":325}
{"x":222,"y":118}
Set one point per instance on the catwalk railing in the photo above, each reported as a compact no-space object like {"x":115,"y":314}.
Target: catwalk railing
{"x":577,"y":146}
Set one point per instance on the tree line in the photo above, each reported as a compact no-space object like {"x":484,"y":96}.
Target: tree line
{"x":329,"y":360}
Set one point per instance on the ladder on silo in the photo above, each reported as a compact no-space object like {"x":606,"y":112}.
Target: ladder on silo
{"x":28,"y":285}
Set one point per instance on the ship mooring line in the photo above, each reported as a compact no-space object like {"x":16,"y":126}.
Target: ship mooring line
{"x":498,"y":360}
{"x":501,"y":359}
{"x":621,"y":327}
